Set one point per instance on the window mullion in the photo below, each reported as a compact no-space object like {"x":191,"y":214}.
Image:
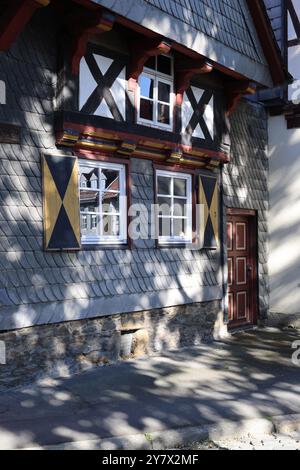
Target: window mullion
{"x":155,"y":104}
{"x":172,"y":207}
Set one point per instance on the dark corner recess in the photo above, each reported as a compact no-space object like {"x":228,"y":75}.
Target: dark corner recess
{"x":10,"y":133}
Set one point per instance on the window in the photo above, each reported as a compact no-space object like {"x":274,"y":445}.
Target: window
{"x":156,"y":95}
{"x":174,"y":199}
{"x":103,"y":205}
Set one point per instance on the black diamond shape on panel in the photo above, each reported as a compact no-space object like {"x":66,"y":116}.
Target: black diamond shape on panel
{"x":63,"y":236}
{"x":209,"y":188}
{"x":61,"y":170}
{"x":209,"y":238}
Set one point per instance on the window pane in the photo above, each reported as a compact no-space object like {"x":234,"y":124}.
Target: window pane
{"x":150,"y":64}
{"x":164,"y":113}
{"x":111,"y":225}
{"x":146,"y":85}
{"x":90,"y":225}
{"x":163,"y":185}
{"x":180,"y":207}
{"x":89,"y":201}
{"x":179,"y":187}
{"x":164,"y":205}
{"x":110,"y":202}
{"x":146,"y":110}
{"x":110,"y":180}
{"x":164,"y":65}
{"x":164,"y":92}
{"x":179,"y":228}
{"x":164,"y":227}
{"x":89,"y":177}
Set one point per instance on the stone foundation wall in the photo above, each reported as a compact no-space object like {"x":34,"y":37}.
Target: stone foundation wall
{"x":70,"y":347}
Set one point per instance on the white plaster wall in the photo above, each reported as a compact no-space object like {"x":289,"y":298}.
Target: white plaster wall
{"x":284,"y":217}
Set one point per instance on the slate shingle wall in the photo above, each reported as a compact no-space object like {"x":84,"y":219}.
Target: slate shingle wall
{"x":38,"y":287}
{"x":275,"y":12}
{"x":223,"y":20}
{"x":246,"y":180}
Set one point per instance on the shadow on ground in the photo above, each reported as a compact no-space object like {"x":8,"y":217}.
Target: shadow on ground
{"x":249,"y":376}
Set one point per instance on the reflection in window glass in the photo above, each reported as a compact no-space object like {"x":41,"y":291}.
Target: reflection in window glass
{"x":165,"y":205}
{"x":110,"y":202}
{"x":89,"y":178}
{"x":156,"y":97}
{"x":146,"y":110}
{"x":164,"y":92}
{"x":165,"y":225}
{"x":89,"y":201}
{"x":146,"y":85}
{"x":179,"y":187}
{"x":102,"y":203}
{"x":174,"y":212}
{"x":179,"y":228}
{"x":111,"y":225}
{"x":164,"y":113}
{"x":163,"y":185}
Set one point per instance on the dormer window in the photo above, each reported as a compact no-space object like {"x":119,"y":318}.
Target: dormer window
{"x":156,"y":93}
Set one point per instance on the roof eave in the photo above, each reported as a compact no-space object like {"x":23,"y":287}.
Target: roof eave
{"x":268,"y":41}
{"x":230,"y":61}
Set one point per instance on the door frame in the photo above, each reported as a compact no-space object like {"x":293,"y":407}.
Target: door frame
{"x":251,"y":214}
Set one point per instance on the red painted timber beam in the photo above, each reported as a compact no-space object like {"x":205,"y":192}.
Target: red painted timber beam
{"x":141,"y":52}
{"x":14,"y":19}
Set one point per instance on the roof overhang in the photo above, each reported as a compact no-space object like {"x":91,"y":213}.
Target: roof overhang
{"x":268,"y":41}
{"x":186,"y":36}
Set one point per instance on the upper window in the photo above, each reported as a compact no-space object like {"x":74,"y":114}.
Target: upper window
{"x":174,"y":199}
{"x":102,"y":203}
{"x":156,"y":96}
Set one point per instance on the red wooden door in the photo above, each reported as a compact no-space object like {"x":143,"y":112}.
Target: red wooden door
{"x":242,"y":273}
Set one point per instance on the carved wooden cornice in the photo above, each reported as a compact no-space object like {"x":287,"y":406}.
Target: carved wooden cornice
{"x":185,"y":72}
{"x":141,"y":52}
{"x":15,"y":17}
{"x":234,"y":93}
{"x":82,"y":28}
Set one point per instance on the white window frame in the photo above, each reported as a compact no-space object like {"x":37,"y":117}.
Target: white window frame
{"x":121,"y":239}
{"x":169,"y":240}
{"x":157,"y":77}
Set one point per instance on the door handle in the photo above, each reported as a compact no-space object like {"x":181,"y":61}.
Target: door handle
{"x":249,"y":268}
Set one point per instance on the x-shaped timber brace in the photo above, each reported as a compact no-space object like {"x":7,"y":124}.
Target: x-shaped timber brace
{"x":81,"y":28}
{"x":102,"y":91}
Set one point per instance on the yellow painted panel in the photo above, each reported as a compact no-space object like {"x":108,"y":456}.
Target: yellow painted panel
{"x":71,"y":202}
{"x":214,"y":212}
{"x":51,"y":202}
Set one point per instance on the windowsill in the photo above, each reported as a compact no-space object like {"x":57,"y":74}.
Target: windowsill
{"x":154,"y":126}
{"x":173,"y":243}
{"x":106,"y":246}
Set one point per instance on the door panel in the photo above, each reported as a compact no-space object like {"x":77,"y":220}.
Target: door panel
{"x":242,"y":259}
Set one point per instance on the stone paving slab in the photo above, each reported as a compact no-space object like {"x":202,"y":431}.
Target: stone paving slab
{"x":248,"y":377}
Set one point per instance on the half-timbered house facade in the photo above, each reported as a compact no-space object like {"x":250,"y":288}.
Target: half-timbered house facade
{"x":283,"y":103}
{"x":133,"y":176}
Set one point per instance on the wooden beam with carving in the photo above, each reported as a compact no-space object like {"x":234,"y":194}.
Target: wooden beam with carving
{"x":141,"y":52}
{"x":269,"y":44}
{"x":184,"y":73}
{"x":235,"y":91}
{"x":14,"y":19}
{"x":83,"y":25}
